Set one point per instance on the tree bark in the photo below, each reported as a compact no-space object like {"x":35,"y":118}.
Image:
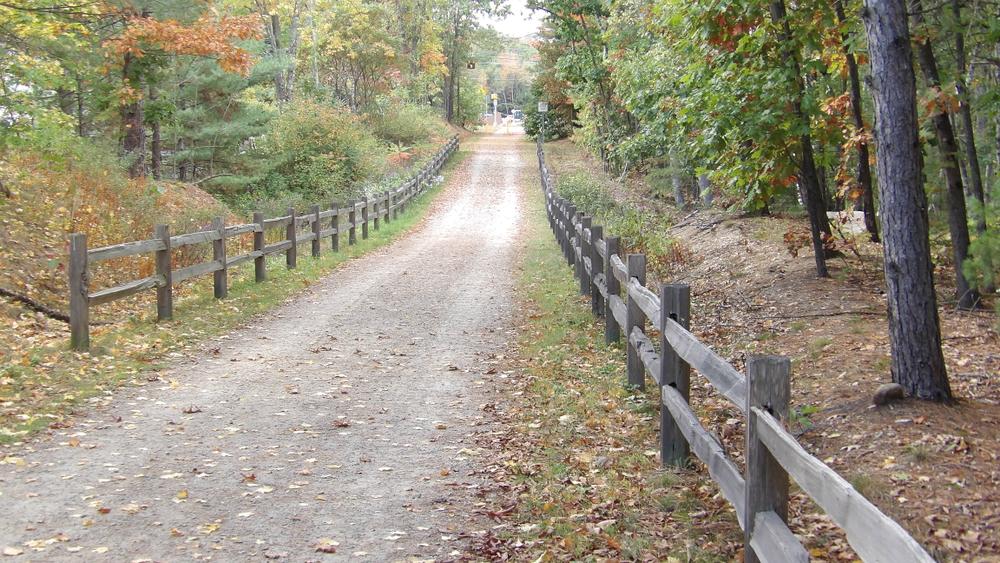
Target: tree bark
{"x":134,"y":132}
{"x":705,"y":187}
{"x":914,"y":330}
{"x":864,"y":164}
{"x":182,"y":165}
{"x":958,"y":219}
{"x":676,"y":181}
{"x":156,"y":154}
{"x":965,"y":110}
{"x":819,"y":224}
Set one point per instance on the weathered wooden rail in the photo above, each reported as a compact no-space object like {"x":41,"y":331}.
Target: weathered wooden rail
{"x":312,"y":226}
{"x":616,"y":284}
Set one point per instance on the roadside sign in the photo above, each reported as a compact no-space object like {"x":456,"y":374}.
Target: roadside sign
{"x":543,"y":107}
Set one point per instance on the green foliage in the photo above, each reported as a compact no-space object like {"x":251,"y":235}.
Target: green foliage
{"x":640,"y":230}
{"x":558,"y":120}
{"x":405,"y":123}
{"x":318,"y":151}
{"x":982,"y":268}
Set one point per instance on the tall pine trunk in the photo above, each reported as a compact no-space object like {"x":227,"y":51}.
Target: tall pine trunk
{"x":864,"y":164}
{"x":958,"y":218}
{"x":914,"y":330}
{"x":819,"y":223}
{"x":965,"y":110}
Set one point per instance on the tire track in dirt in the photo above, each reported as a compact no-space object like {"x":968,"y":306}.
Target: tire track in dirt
{"x":346,"y":414}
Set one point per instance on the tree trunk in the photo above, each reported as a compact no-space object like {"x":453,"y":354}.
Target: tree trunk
{"x":80,"y":129}
{"x":279,"y":75}
{"x":134,"y":134}
{"x":958,"y":219}
{"x":705,"y":187}
{"x":965,"y":109}
{"x":864,"y":164}
{"x":676,"y":181}
{"x":156,"y":160}
{"x":182,"y":166}
{"x":819,"y":224}
{"x":914,"y":331}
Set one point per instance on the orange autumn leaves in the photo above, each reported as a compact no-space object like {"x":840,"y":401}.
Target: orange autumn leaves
{"x":208,"y":36}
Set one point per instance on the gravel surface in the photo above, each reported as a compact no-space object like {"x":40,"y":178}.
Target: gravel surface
{"x":341,"y":421}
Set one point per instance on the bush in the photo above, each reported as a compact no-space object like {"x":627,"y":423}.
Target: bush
{"x":319,"y":151}
{"x":406,"y":124}
{"x":641,"y":231}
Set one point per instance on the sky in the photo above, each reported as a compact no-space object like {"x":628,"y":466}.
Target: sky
{"x":519,"y":23}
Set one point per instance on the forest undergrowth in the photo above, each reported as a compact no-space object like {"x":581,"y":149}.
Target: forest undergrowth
{"x":931,"y":467}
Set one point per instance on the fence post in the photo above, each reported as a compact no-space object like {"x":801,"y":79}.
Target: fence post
{"x":635,"y":318}
{"x":597,"y":265}
{"x":612,"y":332}
{"x":219,"y":255}
{"x":578,"y":236}
{"x":364,"y":219}
{"x":164,"y":292}
{"x":260,"y":262}
{"x":768,"y":388}
{"x":335,"y":225}
{"x":395,"y":204}
{"x":79,"y":289}
{"x":386,"y":206}
{"x":291,"y":234}
{"x":675,"y":304}
{"x":352,"y":216}
{"x":375,"y":212}
{"x":570,"y":213}
{"x":585,"y":222}
{"x":316,"y":229}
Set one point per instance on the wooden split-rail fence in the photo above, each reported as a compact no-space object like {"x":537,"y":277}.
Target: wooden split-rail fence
{"x":616,"y":284}
{"x":312,"y":226}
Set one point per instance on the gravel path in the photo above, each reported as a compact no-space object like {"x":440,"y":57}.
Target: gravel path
{"x":342,"y":422}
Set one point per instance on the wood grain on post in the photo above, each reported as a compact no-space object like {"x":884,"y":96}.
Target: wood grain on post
{"x":597,"y":263}
{"x":570,"y":233}
{"x":291,"y":235}
{"x":316,"y":229}
{"x":335,"y":225}
{"x":260,"y":262}
{"x":352,"y":216}
{"x":612,"y":332}
{"x":221,"y":276}
{"x":769,"y":387}
{"x":364,"y":219}
{"x":577,"y":238}
{"x":165,"y":292}
{"x":79,"y":288}
{"x":375,"y":212}
{"x":675,"y":306}
{"x":635,"y":318}
{"x":585,"y":222}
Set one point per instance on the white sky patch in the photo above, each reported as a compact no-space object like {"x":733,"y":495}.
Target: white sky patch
{"x":519,"y":23}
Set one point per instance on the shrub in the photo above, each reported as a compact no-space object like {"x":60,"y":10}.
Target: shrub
{"x":320,"y":151}
{"x":406,"y":124}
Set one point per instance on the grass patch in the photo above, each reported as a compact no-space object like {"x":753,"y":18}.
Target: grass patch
{"x":583,"y":456}
{"x":44,"y":385}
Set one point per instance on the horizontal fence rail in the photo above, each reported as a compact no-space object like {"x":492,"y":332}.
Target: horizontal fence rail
{"x":616,"y":284}
{"x":313,"y":226}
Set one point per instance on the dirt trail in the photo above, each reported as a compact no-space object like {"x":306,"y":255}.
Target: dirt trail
{"x":346,"y":414}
